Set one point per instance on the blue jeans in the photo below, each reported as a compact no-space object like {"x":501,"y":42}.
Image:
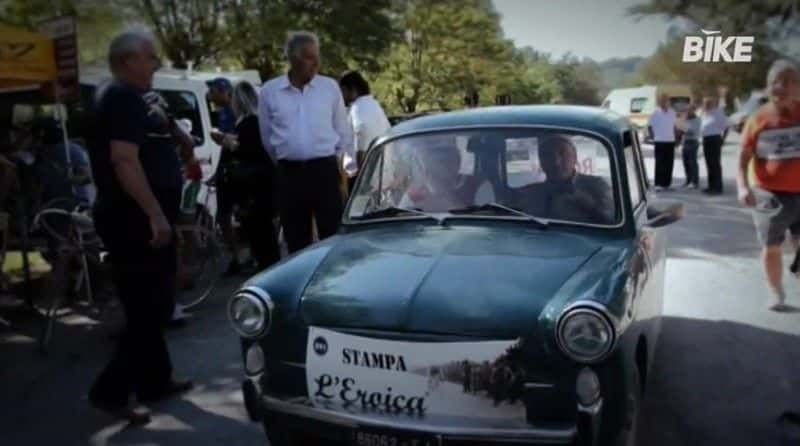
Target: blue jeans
{"x":689,"y":151}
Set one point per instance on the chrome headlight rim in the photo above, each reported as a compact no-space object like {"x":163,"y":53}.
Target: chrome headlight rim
{"x":602,"y":315}
{"x":263,"y":301}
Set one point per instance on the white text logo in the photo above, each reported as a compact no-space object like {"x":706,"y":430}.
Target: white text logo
{"x":715,"y":48}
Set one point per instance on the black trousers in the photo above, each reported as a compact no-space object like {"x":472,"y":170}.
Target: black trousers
{"x":257,"y":223}
{"x":309,"y":189}
{"x":665,"y":159}
{"x":145,"y":279}
{"x":689,"y":154}
{"x":140,"y":365}
{"x":712,"y":151}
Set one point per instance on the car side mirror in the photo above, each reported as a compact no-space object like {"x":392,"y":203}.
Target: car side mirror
{"x":664,"y":212}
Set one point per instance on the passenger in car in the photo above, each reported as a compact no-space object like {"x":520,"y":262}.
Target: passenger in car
{"x":566,"y":194}
{"x":443,"y":186}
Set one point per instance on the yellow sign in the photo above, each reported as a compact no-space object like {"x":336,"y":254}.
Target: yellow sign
{"x":25,"y":57}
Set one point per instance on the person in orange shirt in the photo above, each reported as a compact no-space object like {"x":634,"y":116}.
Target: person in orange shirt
{"x":771,"y":140}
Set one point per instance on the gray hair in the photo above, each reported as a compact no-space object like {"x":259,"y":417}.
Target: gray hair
{"x":297,"y":40}
{"x":244,"y":100}
{"x":778,"y":67}
{"x":124,"y":45}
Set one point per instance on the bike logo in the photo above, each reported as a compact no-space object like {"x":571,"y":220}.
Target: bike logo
{"x":714,"y":48}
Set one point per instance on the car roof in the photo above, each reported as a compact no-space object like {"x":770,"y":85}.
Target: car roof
{"x":592,"y":119}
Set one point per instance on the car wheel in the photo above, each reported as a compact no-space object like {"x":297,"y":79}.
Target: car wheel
{"x":630,"y":428}
{"x":277,"y":436}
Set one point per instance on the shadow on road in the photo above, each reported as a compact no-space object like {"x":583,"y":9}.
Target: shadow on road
{"x":713,"y":226}
{"x":720,"y":382}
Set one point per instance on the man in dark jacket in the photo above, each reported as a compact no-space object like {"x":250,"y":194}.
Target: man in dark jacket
{"x":138,"y":175}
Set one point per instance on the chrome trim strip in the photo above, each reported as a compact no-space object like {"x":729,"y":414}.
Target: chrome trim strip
{"x":609,"y":146}
{"x":538,"y":385}
{"x":589,"y":420}
{"x":558,"y":436}
{"x":619,"y":325}
{"x":299,"y":365}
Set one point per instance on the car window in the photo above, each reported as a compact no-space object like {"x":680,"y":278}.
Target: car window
{"x":554,"y":175}
{"x":633,"y":176}
{"x":185,"y":105}
{"x":637,"y":104}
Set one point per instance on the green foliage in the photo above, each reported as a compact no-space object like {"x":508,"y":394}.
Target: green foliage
{"x":451,"y":49}
{"x":97,"y":20}
{"x":188,"y":30}
{"x":352,"y":32}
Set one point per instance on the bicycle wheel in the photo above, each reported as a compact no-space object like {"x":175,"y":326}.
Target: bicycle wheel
{"x":200,"y":264}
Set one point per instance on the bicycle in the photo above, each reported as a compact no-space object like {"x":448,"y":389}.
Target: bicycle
{"x":200,"y":254}
{"x":75,"y":239}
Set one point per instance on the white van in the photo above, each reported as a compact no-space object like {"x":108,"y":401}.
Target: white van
{"x":638,"y":103}
{"x":185,"y":92}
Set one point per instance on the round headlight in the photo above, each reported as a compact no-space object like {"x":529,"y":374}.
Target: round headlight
{"x":585,"y":334}
{"x":250,"y":312}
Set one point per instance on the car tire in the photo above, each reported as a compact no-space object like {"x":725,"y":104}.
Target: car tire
{"x":630,"y":429}
{"x":277,"y":436}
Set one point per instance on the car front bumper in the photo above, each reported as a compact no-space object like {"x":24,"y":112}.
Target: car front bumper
{"x":300,"y":414}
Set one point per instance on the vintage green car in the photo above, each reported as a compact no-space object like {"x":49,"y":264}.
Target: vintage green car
{"x":498,"y":279}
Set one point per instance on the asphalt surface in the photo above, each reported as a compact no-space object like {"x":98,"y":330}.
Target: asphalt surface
{"x":726,"y":367}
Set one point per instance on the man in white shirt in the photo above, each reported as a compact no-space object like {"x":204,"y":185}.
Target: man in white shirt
{"x":661,"y":127}
{"x":366,"y":115}
{"x":713,"y":128}
{"x":304,"y":128}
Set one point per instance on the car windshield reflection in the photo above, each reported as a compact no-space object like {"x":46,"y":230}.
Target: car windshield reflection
{"x":491,"y":173}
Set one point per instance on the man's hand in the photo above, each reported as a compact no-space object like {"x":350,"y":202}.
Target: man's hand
{"x":746,"y":197}
{"x":217,"y":136}
{"x":162,"y":232}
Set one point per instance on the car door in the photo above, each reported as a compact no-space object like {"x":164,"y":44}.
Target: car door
{"x":650,"y":244}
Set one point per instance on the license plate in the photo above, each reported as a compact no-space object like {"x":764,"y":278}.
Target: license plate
{"x":375,"y":437}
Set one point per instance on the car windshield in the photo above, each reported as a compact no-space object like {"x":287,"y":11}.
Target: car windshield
{"x":497,"y":173}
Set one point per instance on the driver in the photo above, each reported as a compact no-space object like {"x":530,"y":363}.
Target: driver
{"x":443,"y":188}
{"x":566,"y":194}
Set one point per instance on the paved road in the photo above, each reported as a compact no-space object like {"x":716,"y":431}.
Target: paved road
{"x":726,"y":367}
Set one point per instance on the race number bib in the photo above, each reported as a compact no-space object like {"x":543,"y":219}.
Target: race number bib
{"x":779,"y":144}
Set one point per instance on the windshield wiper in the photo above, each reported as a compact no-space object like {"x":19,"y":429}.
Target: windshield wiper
{"x":394,"y":211}
{"x":495,"y":207}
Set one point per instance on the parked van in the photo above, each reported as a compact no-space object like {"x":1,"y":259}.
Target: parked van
{"x":638,"y":103}
{"x":185,"y":92}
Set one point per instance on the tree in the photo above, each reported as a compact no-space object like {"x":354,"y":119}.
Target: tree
{"x":579,"y":82}
{"x":97,"y":20}
{"x":188,"y":30}
{"x":450,"y":49}
{"x":530,"y":79}
{"x":351,"y":33}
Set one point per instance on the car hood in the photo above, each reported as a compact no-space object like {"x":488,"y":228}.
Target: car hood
{"x":466,"y":281}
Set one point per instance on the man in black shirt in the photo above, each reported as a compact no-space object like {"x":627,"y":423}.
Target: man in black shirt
{"x":138,"y":175}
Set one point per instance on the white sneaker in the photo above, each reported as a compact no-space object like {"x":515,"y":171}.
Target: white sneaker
{"x":659,"y":189}
{"x":778,"y":303}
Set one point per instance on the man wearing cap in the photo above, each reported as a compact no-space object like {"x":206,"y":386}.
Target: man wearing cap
{"x":304,"y":128}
